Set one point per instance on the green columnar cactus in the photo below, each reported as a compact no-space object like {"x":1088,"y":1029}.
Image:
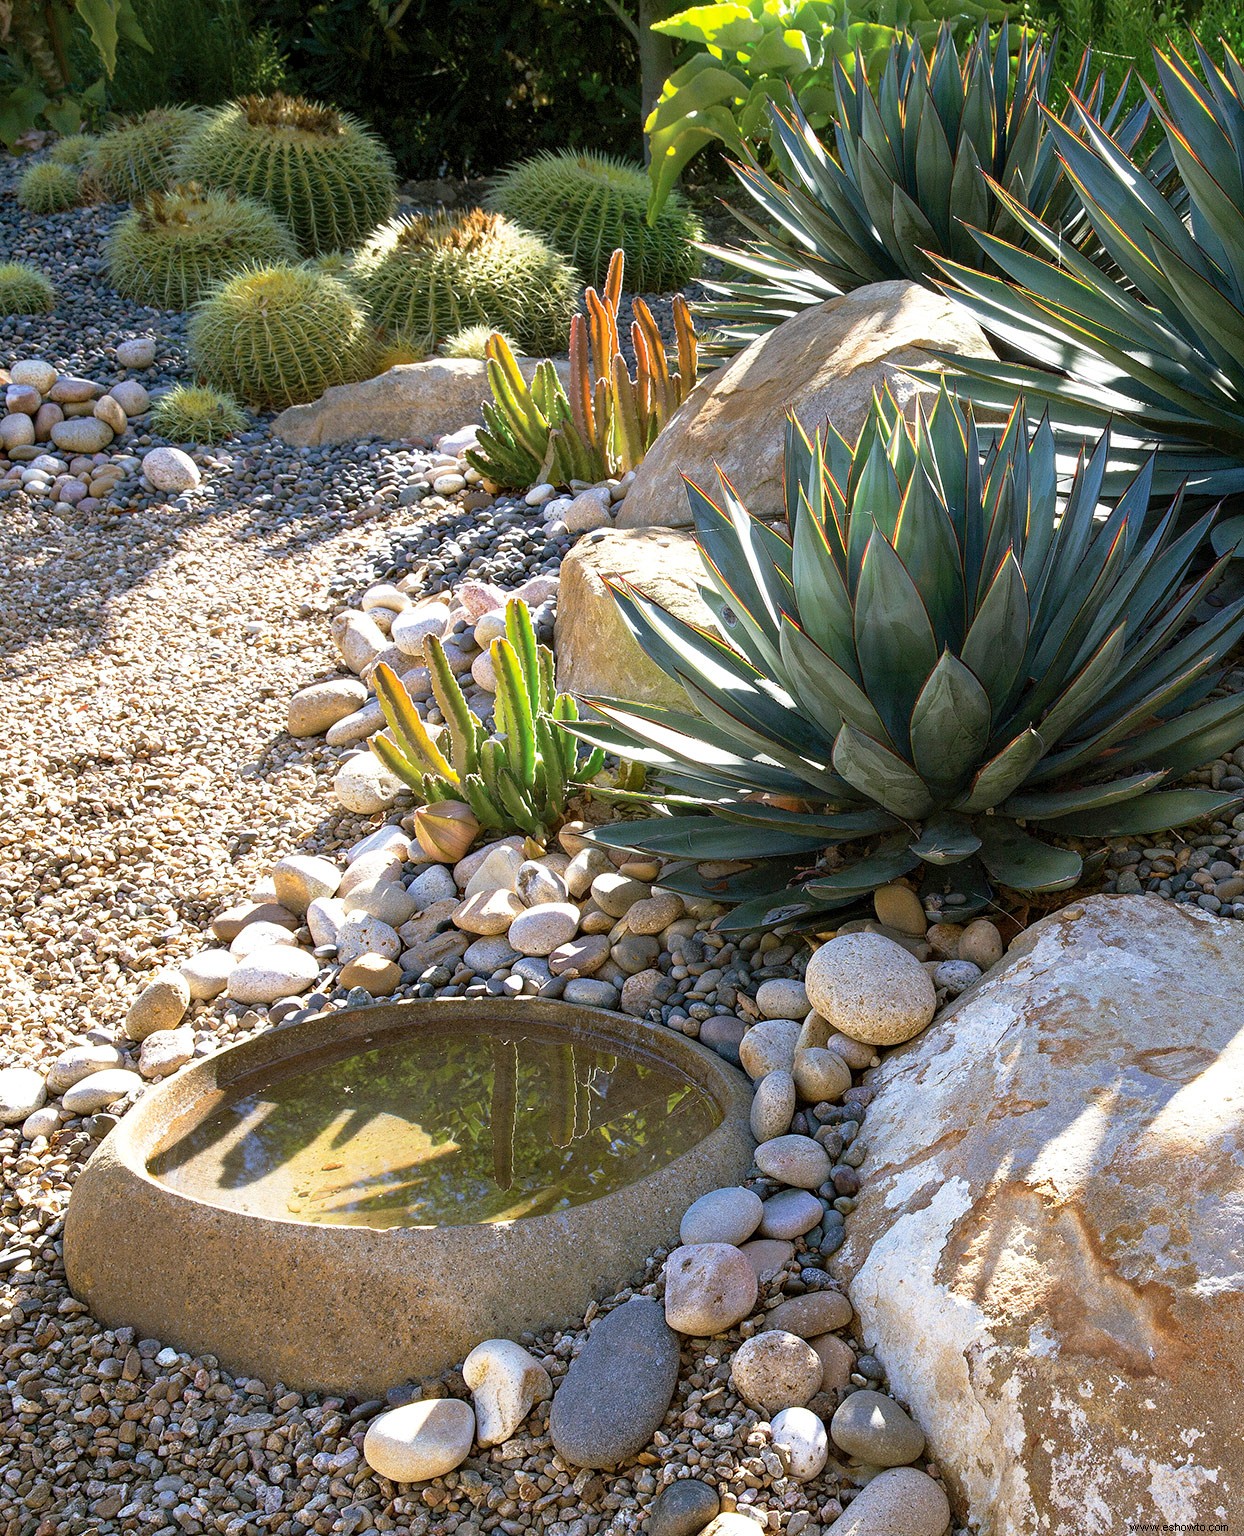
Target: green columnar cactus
{"x":276,"y":336}
{"x":172,"y":246}
{"x":48,"y":188}
{"x":326,"y":175}
{"x":519,"y":777}
{"x":24,"y":290}
{"x":588,"y":206}
{"x":139,"y":156}
{"x":426,"y":277}
{"x":192,"y":414}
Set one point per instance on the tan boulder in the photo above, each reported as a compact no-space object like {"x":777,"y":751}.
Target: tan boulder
{"x":413,"y":401}
{"x":822,"y":363}
{"x":1046,"y":1250}
{"x":596,"y":653}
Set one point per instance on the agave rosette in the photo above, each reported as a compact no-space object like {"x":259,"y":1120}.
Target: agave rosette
{"x":1163,"y":351}
{"x":923,"y":153}
{"x":937,"y":655}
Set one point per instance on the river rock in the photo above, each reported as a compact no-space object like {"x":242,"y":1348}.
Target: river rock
{"x":17,"y":430}
{"x":873,"y":1429}
{"x":364,"y":785}
{"x":782,"y":998}
{"x":362,"y":934}
{"x":795,"y":1160}
{"x":870,"y":988}
{"x":358,"y":638}
{"x":420,"y":1441}
{"x":36,"y":372}
{"x":824,"y":362}
{"x":769,"y":1047}
{"x":488,"y":912}
{"x":22,"y":1091}
{"x":539,"y":930}
{"x":722,"y":1216}
{"x":136,"y":352}
{"x":82,"y":434}
{"x":314,"y":708}
{"x":789,"y":1214}
{"x":1046,"y":1251}
{"x":767,"y":1256}
{"x":271,"y":972}
{"x":496,"y":871}
{"x":109,"y":410}
{"x":44,"y":1122}
{"x":161,"y":1004}
{"x":683,"y":1508}
{"x":821,"y":1076}
{"x":775,"y":1370}
{"x":709,"y":1287}
{"x":616,"y":1392}
{"x":430,"y":885}
{"x":100,"y":1089}
{"x":505,"y":1382}
{"x":801,"y":1441}
{"x":773,"y":1105}
{"x":899,"y":1500}
{"x":413,"y":626}
{"x":164,"y":1051}
{"x":301,"y":877}
{"x":260,"y":936}
{"x":837,"y":1361}
{"x":811,"y":1314}
{"x":207,"y":973}
{"x":80,"y":1061}
{"x":373,"y":973}
{"x":597,"y":656}
{"x":537,"y":885}
{"x":981,"y":944}
{"x":131,"y":397}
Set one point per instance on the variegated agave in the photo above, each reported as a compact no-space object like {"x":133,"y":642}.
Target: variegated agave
{"x":917,"y":155}
{"x":933,"y":656}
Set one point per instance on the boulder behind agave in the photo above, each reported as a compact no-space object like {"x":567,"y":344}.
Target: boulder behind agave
{"x":929,"y":654}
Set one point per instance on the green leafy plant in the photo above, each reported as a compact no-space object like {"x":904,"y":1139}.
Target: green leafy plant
{"x":607,"y":420}
{"x":516,"y":778}
{"x":276,"y":336}
{"x":48,"y":188}
{"x":425,"y":277}
{"x":140,"y":156}
{"x":38,"y":81}
{"x":587,"y":206}
{"x":24,"y":290}
{"x":935,"y":655}
{"x":757,"y":52}
{"x":190,"y":413}
{"x":472,"y":341}
{"x":203,"y":52}
{"x":1161,"y":352}
{"x":924,"y":150}
{"x":172,"y":246}
{"x":326,"y":175}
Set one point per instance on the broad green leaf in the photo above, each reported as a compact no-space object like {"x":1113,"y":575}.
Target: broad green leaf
{"x":1041,"y":805}
{"x":998,"y":637}
{"x":950,"y":725}
{"x":1003,"y":774}
{"x":1024,"y":863}
{"x":727,"y":26}
{"x":865,"y":875}
{"x":100,"y":17}
{"x":894,"y":639}
{"x":1150,"y":813}
{"x":946,"y":840}
{"x":880,"y":774}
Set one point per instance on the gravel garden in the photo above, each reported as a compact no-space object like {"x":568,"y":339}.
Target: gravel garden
{"x":625,"y":851}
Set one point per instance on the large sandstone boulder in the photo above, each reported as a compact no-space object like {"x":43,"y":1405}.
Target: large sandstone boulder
{"x":1048,"y":1252}
{"x":596,"y":653}
{"x":414,"y":402}
{"x":823,"y":363}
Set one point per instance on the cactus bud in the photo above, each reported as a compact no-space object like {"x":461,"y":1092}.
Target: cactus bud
{"x":446,"y":829}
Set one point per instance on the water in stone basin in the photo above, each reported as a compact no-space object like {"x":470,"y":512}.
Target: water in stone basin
{"x":438,"y":1128}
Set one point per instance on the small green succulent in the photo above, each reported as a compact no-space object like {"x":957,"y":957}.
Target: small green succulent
{"x":519,"y":777}
{"x":934,"y":660}
{"x":48,"y":188}
{"x":74,"y":150}
{"x":24,"y":290}
{"x":472,"y":341}
{"x":587,"y":206}
{"x":190,"y":413}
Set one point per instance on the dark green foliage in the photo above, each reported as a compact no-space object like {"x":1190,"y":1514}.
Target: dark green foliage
{"x":588,"y":206}
{"x":202,"y":52}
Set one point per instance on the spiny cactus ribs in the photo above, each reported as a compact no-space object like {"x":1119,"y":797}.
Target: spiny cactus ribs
{"x":426,"y":277}
{"x":48,"y":188}
{"x":321,"y":171}
{"x":140,"y":156}
{"x":24,"y":291}
{"x":193,"y":414}
{"x":281,"y":335}
{"x":587,"y":206}
{"x":172,"y":246}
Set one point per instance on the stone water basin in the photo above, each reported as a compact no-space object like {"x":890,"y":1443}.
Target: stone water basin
{"x":356,"y":1201}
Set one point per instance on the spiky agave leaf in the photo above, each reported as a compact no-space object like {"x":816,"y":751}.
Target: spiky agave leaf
{"x":936,"y":649}
{"x":1161,"y":353}
{"x":921,"y":151}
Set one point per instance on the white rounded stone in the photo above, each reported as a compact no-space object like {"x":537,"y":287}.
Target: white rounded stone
{"x":165,"y":1051}
{"x":539,"y":930}
{"x":801,"y":1441}
{"x":22,"y":1091}
{"x":301,"y":877}
{"x":795,"y":1160}
{"x":171,"y":469}
{"x":362,"y":934}
{"x":41,"y":1122}
{"x":412,"y":626}
{"x":136,"y":352}
{"x":775,"y":1370}
{"x":419,"y":1441}
{"x":870,"y":988}
{"x":271,"y":972}
{"x":782,"y":998}
{"x":364,"y":785}
{"x":709,"y":1287}
{"x":769,"y":1047}
{"x":773,"y":1105}
{"x":722,"y":1216}
{"x":37,"y":372}
{"x":100,"y":1090}
{"x":498,"y":871}
{"x":80,"y":1061}
{"x":325,"y":916}
{"x":130,"y":396}
{"x":505,"y":1382}
{"x":260,"y":936}
{"x":161,"y":1004}
{"x":900,"y":1499}
{"x":821,"y":1076}
{"x":207,"y":972}
{"x":314,"y":709}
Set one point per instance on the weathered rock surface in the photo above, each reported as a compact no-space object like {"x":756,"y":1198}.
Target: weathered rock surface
{"x":824,"y":362}
{"x":596,"y":653}
{"x":412,"y":402}
{"x":1046,"y":1251}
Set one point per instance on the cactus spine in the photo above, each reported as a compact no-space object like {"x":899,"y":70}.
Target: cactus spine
{"x":139,"y":156}
{"x":191,"y":414}
{"x":24,"y":290}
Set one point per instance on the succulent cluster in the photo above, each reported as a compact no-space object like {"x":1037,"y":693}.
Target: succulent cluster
{"x":426,"y":276}
{"x":517,"y":778}
{"x":934,"y":659}
{"x":48,"y":188}
{"x":74,"y":149}
{"x":141,"y":155}
{"x":190,"y":413}
{"x":24,"y":290}
{"x":321,"y":171}
{"x":587,"y":206}
{"x":172,"y":246}
{"x":472,"y":341}
{"x":607,"y":420}
{"x":277,"y":336}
